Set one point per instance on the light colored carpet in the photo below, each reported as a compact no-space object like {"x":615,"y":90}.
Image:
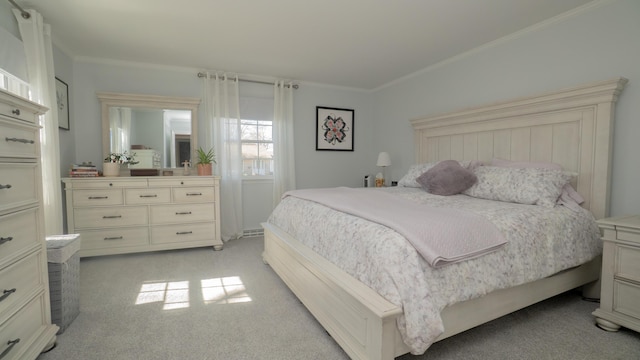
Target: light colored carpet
{"x":202,"y":304}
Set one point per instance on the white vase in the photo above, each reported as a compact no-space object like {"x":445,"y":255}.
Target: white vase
{"x":111,"y":169}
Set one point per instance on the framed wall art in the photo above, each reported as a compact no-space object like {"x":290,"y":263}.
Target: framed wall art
{"x":62,"y":102}
{"x":334,"y":129}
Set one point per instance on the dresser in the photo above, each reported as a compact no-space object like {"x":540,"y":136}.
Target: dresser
{"x":25,"y":312}
{"x":620,"y":294}
{"x":135,"y":214}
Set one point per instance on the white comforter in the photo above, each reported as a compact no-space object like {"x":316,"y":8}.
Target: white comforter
{"x":540,"y":242}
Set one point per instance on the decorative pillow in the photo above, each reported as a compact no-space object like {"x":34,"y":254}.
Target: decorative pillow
{"x":409,"y":179}
{"x":531,"y":186}
{"x":447,"y":177}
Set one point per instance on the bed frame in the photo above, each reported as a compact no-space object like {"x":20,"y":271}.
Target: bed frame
{"x":571,"y":127}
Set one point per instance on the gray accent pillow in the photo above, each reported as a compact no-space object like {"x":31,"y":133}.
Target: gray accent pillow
{"x":447,"y":177}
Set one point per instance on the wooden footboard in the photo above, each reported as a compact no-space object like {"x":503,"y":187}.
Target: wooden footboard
{"x":364,"y":324}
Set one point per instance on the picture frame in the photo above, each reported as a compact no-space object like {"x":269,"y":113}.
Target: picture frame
{"x":62,"y":104}
{"x":334,"y":129}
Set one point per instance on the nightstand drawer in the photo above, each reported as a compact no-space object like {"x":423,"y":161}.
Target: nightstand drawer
{"x":109,"y":217}
{"x":632,"y":235}
{"x":97,"y":197}
{"x":626,"y":298}
{"x":628,"y":263}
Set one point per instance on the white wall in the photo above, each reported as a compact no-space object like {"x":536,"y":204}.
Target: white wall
{"x":597,"y":44}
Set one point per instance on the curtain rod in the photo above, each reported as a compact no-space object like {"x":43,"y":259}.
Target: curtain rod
{"x":24,"y":14}
{"x":295,"y":86}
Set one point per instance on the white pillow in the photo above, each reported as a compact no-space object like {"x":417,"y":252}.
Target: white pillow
{"x":531,"y":186}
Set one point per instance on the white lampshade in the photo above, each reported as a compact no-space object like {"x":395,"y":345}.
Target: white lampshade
{"x":383,"y":159}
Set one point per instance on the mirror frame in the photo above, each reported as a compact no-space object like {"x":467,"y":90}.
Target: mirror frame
{"x":108,"y":99}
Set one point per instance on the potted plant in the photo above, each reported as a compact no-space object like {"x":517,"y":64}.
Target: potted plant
{"x":111,"y":165}
{"x":206,"y":159}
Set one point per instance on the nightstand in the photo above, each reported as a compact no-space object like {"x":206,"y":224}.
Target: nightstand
{"x":620,"y":294}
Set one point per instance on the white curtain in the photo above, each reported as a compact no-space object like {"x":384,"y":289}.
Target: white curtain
{"x":284,"y":178}
{"x":222,"y":133}
{"x":120,"y":128}
{"x":36,"y":37}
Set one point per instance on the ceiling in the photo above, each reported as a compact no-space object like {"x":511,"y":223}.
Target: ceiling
{"x":360,"y":44}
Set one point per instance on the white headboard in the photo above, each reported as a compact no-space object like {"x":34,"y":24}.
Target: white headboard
{"x":571,"y":127}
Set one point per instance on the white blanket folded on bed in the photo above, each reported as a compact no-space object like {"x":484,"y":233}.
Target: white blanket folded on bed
{"x":441,"y":236}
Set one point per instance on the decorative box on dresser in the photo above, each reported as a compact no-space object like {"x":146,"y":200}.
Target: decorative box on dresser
{"x":25,"y":312}
{"x":120,"y":215}
{"x":620,"y":294}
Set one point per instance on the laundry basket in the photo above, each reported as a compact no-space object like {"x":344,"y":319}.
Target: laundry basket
{"x":64,"y":278}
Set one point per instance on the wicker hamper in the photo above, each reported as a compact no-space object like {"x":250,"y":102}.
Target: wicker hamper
{"x":64,"y":278}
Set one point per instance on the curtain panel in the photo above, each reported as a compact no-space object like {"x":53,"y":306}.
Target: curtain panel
{"x":222,"y":132}
{"x":284,"y":175}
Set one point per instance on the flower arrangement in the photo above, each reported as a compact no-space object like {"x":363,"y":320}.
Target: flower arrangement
{"x":121,"y":158}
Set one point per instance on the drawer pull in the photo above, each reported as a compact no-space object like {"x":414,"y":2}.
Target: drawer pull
{"x":6,"y":293}
{"x":194,"y":194}
{"x":112,"y":216}
{"x":8,"y":186}
{"x":184,"y":232}
{"x":114,"y":238}
{"x":5,"y":239}
{"x":148,"y":196}
{"x":184,"y":213}
{"x":11,"y":344}
{"x":24,"y":141}
{"x":98,"y":197}
{"x":15,"y":111}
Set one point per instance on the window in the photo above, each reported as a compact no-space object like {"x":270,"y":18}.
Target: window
{"x":257,"y":147}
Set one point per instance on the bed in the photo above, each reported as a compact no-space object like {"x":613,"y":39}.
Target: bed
{"x":571,"y":127}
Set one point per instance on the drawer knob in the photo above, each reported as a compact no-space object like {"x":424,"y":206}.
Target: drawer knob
{"x":8,"y":186}
{"x":184,"y":232}
{"x":11,"y":344}
{"x":184,"y":213}
{"x":112,"y":216}
{"x":114,"y":238}
{"x":6,"y":293}
{"x":24,"y":141}
{"x":5,"y":239}
{"x":15,"y":111}
{"x":194,"y":194}
{"x":97,"y":197}
{"x":148,"y":196}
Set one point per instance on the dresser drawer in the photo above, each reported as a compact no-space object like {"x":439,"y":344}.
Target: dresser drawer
{"x":171,"y":214}
{"x":18,"y":141}
{"x":109,"y":217}
{"x":18,"y":185}
{"x":194,"y":194}
{"x":25,"y":325}
{"x":626,"y":298}
{"x":112,"y":238}
{"x":148,"y":196}
{"x":17,"y":112}
{"x":19,"y":231}
{"x":183,"y":233}
{"x":628,"y":263}
{"x":106,"y":184}
{"x":19,"y":280}
{"x":97,"y":197}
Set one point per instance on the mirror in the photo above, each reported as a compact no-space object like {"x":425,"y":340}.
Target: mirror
{"x":160,"y":130}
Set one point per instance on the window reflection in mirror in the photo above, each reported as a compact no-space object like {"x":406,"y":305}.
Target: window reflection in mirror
{"x":161,"y":131}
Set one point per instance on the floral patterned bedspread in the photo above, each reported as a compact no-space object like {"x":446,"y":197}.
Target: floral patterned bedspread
{"x":540,"y":242}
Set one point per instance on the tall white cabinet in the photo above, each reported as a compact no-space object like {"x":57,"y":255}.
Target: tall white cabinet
{"x":25,"y":313}
{"x":117,"y":215}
